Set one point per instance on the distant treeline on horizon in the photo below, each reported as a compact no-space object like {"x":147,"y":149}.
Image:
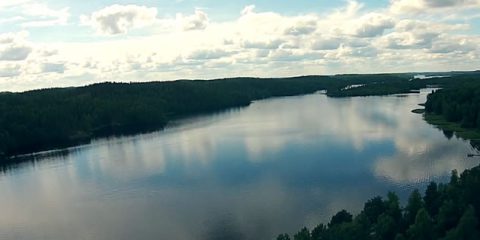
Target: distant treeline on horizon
{"x":54,"y":118}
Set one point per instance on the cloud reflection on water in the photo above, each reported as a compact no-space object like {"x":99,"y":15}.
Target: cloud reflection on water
{"x":249,"y":173}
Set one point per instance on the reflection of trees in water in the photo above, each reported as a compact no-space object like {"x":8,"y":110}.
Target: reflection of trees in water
{"x":448,"y":134}
{"x":475,"y":144}
{"x":8,"y":164}
{"x":224,"y":228}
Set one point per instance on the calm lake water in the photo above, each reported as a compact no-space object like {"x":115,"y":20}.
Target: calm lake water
{"x":248,"y":173}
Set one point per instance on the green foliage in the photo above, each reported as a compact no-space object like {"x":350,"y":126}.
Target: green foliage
{"x":319,"y":232}
{"x":283,"y":237}
{"x":373,"y":209}
{"x":50,"y":118}
{"x":415,"y":203}
{"x":304,"y":234}
{"x":54,"y":118}
{"x":467,"y":228}
{"x":432,"y":199}
{"x":454,"y":203}
{"x":459,"y":103}
{"x":341,"y":217}
{"x":386,"y":227}
{"x":422,"y":229}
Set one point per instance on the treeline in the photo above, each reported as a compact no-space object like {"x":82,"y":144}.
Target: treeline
{"x":460,"y":104}
{"x":50,"y":118}
{"x":400,"y":84}
{"x":446,"y":211}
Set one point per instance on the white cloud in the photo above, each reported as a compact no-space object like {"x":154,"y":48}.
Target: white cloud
{"x":248,"y":10}
{"x":372,"y":25}
{"x":53,"y":67}
{"x":9,"y":70}
{"x":204,"y":54}
{"x":268,"y":44}
{"x":326,"y":43}
{"x":118,"y":19}
{"x":40,"y":15}
{"x":15,"y":53}
{"x":425,"y":6}
{"x":451,"y":45}
{"x":302,"y":28}
{"x":13,"y":37}
{"x":417,"y":34}
{"x":197,"y":46}
{"x":12,"y":3}
{"x":197,"y":21}
{"x":13,"y":47}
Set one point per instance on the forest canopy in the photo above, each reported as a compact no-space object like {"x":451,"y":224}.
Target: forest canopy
{"x":55,"y":118}
{"x":445,"y":211}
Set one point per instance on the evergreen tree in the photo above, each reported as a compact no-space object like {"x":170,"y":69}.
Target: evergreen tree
{"x":415,"y":203}
{"x":283,"y":237}
{"x":303,"y":234}
{"x":319,"y":232}
{"x":432,"y":199}
{"x":341,"y":217}
{"x":422,"y":229}
{"x":467,"y":228}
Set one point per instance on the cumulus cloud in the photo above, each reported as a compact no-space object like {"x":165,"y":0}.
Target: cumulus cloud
{"x":40,"y":15}
{"x":208,"y":54}
{"x":248,"y":10}
{"x":118,"y":19}
{"x":372,"y":25}
{"x":15,"y":53}
{"x":420,"y":34}
{"x":268,"y":44}
{"x":197,"y":21}
{"x":13,"y":37}
{"x":7,"y":38}
{"x":12,"y":3}
{"x":302,"y":28}
{"x":13,"y":47}
{"x":454,"y":45}
{"x":419,"y":6}
{"x":326,"y":43}
{"x":408,"y":40}
{"x":9,"y":70}
{"x":52,"y":67}
{"x":195,"y":46}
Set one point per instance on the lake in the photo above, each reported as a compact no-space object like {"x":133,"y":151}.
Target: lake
{"x":247,"y":173}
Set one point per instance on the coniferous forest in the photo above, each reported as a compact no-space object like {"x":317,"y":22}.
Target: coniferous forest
{"x":445,"y":211}
{"x":51,"y":118}
{"x":54,"y":118}
{"x":460,"y":104}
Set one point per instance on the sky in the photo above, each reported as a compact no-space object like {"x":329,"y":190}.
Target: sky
{"x":59,"y":43}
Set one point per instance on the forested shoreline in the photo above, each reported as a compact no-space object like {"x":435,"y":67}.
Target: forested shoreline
{"x":459,"y":104}
{"x":60,"y":117}
{"x":55,"y":118}
{"x":445,"y":211}
{"x":51,"y":118}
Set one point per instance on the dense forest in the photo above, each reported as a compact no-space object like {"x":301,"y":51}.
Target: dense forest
{"x":44,"y":119}
{"x":446,"y":211}
{"x":53,"y":118}
{"x":460,"y":104}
